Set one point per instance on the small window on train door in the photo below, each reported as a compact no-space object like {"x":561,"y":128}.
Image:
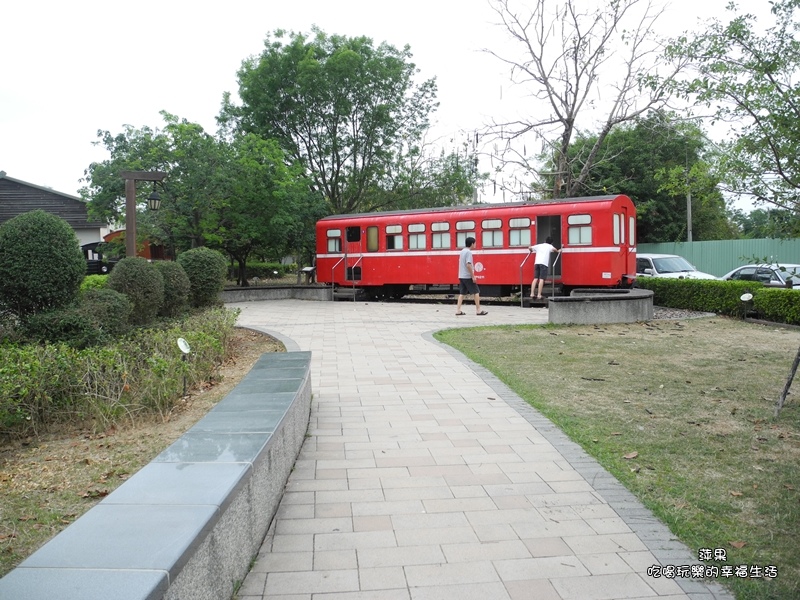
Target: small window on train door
{"x":372,"y":238}
{"x":440,"y":240}
{"x":353,"y":233}
{"x":519,"y":233}
{"x":334,"y":240}
{"x":616,"y":221}
{"x":492,"y":236}
{"x":464,"y":229}
{"x":394,"y":237}
{"x":416,"y":236}
{"x":579,"y":230}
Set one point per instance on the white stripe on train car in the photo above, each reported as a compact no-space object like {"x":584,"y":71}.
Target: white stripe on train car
{"x":482,"y":252}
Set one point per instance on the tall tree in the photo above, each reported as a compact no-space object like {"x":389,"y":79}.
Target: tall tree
{"x":339,"y":106}
{"x":183,"y":150}
{"x":582,"y":64}
{"x":659,"y":162}
{"x":770,"y":223}
{"x":239,"y":194}
{"x":264,"y":204}
{"x":749,"y":78}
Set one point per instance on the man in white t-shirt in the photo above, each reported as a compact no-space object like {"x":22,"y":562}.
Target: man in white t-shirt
{"x":541,"y":264}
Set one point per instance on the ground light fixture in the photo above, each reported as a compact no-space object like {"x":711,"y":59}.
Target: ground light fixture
{"x":185,"y":348}
{"x":745,"y":298}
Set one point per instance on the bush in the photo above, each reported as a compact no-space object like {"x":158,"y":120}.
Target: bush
{"x":143,"y":284}
{"x":43,"y":385}
{"x":109,"y":309}
{"x":176,"y":288}
{"x":94,"y":282}
{"x":207,"y":270}
{"x":725,"y":297}
{"x":779,"y":305}
{"x":41,"y":263}
{"x":70,"y":325}
{"x":709,"y":295}
{"x":268,"y":270}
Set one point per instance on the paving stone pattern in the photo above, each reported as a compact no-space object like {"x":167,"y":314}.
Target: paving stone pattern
{"x":423,"y":477}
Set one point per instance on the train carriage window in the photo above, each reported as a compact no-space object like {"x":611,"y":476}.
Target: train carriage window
{"x":461,"y":238}
{"x":334,"y":240}
{"x":394,"y":237}
{"x":519,"y":233}
{"x":616,"y":221}
{"x":372,"y":238}
{"x":579,"y":230}
{"x":464,"y":229}
{"x":353,"y":234}
{"x":492,"y":236}
{"x":631,"y":231}
{"x":416,"y":236}
{"x":441,"y":236}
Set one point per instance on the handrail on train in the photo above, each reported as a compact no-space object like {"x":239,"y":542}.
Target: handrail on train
{"x":522,"y":282}
{"x":354,"y":275}
{"x":333,"y":279}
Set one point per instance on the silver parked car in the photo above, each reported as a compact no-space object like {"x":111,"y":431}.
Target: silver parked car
{"x":667,"y":265}
{"x":779,"y":275}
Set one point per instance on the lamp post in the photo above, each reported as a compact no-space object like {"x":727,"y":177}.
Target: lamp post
{"x":131,"y":177}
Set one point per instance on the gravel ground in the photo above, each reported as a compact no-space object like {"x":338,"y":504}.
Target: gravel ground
{"x":659,"y":312}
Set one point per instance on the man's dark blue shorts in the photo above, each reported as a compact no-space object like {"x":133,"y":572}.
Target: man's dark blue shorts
{"x":467,"y":286}
{"x":540,"y":271}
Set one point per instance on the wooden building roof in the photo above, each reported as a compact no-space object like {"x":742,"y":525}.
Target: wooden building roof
{"x":19,"y":197}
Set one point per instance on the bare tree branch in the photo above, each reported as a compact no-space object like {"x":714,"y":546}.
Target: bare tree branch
{"x":592,"y":67}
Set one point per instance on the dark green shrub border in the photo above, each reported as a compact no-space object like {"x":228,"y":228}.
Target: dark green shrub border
{"x":724,"y":297}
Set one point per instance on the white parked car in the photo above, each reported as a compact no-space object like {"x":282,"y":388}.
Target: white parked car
{"x":781,"y":275}
{"x":667,"y":265}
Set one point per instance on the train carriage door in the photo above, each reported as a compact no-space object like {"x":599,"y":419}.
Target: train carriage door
{"x":353,"y":252}
{"x":624,"y":239}
{"x":550,"y":226}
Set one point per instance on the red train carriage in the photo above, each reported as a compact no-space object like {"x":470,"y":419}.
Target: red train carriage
{"x":385,"y":253}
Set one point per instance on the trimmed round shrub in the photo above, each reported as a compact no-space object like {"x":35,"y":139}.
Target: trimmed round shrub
{"x":110,"y":310}
{"x":176,"y":288}
{"x":142,"y":283}
{"x":207,"y":270}
{"x":41,"y":263}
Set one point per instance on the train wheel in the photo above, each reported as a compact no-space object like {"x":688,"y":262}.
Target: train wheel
{"x":398,"y":291}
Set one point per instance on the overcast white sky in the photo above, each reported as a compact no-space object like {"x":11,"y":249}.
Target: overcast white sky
{"x":69,"y":69}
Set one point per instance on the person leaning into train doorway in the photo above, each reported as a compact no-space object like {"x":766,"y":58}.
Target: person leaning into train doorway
{"x":542,"y":264}
{"x":466,"y":278}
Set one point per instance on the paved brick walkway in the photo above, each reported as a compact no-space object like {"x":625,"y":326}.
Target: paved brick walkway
{"x":424,"y":478}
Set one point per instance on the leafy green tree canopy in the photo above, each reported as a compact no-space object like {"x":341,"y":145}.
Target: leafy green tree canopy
{"x":659,"y":162}
{"x":337,"y":105}
{"x":749,"y":77}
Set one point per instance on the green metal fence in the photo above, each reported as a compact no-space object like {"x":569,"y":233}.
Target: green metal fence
{"x":719,"y":257}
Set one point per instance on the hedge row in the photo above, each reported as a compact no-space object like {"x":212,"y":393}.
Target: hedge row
{"x":43,"y":385}
{"x":725,"y":297}
{"x":267,"y":270}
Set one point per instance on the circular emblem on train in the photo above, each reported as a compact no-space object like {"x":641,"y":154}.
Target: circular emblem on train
{"x":478,"y":267}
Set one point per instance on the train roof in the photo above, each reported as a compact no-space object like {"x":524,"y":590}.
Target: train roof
{"x":469,"y":207}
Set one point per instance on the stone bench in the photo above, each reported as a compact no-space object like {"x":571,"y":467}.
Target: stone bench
{"x":187,"y":525}
{"x":591,"y":306}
